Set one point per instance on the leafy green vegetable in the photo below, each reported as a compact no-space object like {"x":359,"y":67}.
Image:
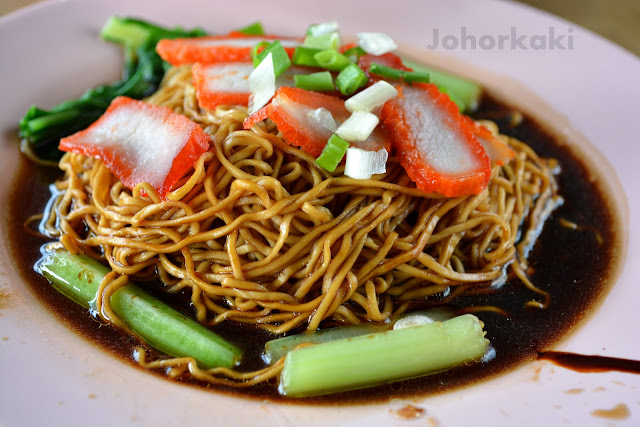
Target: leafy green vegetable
{"x":143,"y":72}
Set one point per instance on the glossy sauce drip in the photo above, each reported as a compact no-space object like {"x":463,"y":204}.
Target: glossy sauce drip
{"x":591,"y":363}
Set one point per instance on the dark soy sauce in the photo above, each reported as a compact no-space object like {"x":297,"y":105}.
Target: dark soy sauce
{"x":591,"y":363}
{"x":572,"y":265}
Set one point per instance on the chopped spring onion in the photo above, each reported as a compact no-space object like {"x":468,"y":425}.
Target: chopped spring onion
{"x":384,"y":71}
{"x":389,"y":356}
{"x":361,"y":164}
{"x":323,"y":116}
{"x":280,"y":58}
{"x":323,"y":41}
{"x":351,"y":79}
{"x":262,"y":82}
{"x":259,"y":47}
{"x":358,"y":126}
{"x":319,"y":82}
{"x":78,"y":278}
{"x":372,"y":97}
{"x":305,"y":56}
{"x":354,"y":53}
{"x":332,"y":153}
{"x":376,"y":43}
{"x":396,"y":74}
{"x":416,"y":77}
{"x":253,"y":29}
{"x":279,"y":347}
{"x":332,"y":60}
{"x":323,"y":28}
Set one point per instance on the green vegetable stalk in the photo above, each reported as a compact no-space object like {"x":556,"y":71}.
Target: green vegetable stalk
{"x":78,"y":277}
{"x":279,"y":347}
{"x":143,"y":72}
{"x":379,"y":358}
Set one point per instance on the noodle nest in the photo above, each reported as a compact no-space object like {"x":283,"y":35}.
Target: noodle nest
{"x":257,"y":233}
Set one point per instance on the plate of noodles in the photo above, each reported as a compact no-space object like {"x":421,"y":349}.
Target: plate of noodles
{"x":399,"y":214}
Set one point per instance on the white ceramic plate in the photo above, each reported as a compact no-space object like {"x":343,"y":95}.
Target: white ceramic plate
{"x":584,"y":87}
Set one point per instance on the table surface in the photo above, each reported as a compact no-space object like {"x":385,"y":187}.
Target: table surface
{"x":616,"y":20}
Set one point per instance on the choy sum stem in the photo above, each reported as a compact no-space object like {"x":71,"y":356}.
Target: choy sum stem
{"x":279,"y":347}
{"x":78,"y":277}
{"x":379,"y":358}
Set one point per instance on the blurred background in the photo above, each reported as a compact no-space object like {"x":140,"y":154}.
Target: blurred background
{"x":616,"y":20}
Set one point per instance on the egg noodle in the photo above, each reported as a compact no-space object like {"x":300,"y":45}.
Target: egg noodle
{"x":257,"y":233}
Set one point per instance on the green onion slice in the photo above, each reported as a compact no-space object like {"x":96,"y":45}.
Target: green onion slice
{"x":384,"y":71}
{"x":358,"y":126}
{"x":323,"y":117}
{"x":255,"y":50}
{"x":376,"y":43}
{"x":331,"y":59}
{"x":362,"y":164}
{"x":305,"y":56}
{"x":319,"y":82}
{"x":416,"y":77}
{"x":323,"y":41}
{"x":350,"y":79}
{"x":262,"y":83}
{"x":280,"y":56}
{"x":372,"y":97}
{"x":396,"y":74}
{"x":332,"y":153}
{"x":354,"y":53}
{"x":323,"y":28}
{"x":253,"y":29}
